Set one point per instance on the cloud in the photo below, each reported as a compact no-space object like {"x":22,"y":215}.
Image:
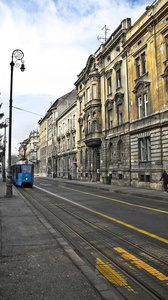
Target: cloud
{"x":56,"y":37}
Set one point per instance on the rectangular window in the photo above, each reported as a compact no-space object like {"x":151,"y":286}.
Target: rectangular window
{"x":109,"y":88}
{"x":146,"y":104}
{"x":148,"y":148}
{"x":138,"y":70}
{"x":94,"y":91}
{"x":145,"y":149}
{"x":88,"y":95}
{"x":94,"y":125}
{"x":143,"y":59}
{"x":142,"y":177}
{"x":118,"y":74}
{"x":140,"y":112}
{"x":142,"y":150}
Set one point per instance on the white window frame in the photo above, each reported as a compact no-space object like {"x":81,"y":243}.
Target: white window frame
{"x":146,"y":104}
{"x":109,"y":86}
{"x":140,"y":111}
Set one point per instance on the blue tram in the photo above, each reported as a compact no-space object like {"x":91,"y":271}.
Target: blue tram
{"x":23,"y":173}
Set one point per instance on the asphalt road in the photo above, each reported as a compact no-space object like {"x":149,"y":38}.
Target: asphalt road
{"x":144,"y":213}
{"x":113,"y":232}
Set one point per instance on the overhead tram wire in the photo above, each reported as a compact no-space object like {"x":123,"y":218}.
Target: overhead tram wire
{"x":30,"y":112}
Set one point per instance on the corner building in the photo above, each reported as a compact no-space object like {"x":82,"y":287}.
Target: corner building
{"x":103,"y":143}
{"x":147,"y":55}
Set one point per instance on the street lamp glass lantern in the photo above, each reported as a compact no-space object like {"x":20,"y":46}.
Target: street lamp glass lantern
{"x":22,"y":68}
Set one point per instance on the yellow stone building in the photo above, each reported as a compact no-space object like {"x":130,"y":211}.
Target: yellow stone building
{"x":147,"y":56}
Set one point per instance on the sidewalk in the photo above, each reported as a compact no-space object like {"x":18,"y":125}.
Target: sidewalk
{"x":36,"y":261}
{"x":129,"y":190}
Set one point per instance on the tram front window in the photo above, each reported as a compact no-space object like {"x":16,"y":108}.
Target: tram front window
{"x":26,"y":169}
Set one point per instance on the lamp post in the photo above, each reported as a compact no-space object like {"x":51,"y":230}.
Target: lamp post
{"x":17,"y":61}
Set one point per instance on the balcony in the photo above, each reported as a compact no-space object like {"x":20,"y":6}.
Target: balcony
{"x":93,"y":139}
{"x":92,"y":103}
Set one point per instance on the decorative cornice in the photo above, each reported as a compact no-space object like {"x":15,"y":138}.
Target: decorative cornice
{"x":139,"y":50}
{"x":108,"y":72}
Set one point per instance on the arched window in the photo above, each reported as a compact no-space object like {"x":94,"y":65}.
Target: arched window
{"x":110,"y":152}
{"x":120,"y":149}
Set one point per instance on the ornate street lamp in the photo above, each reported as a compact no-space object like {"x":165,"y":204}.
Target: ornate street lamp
{"x":17,"y":61}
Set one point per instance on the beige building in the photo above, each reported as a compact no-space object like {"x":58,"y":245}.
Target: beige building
{"x":52,"y":148}
{"x":43,"y":146}
{"x":66,"y":141}
{"x":29,"y":149}
{"x":103,"y":115}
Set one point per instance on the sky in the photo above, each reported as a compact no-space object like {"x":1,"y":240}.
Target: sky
{"x":56,"y":37}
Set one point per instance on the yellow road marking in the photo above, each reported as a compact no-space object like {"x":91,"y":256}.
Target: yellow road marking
{"x":141,"y":264}
{"x":108,"y":217}
{"x":116,"y":200}
{"x":109,"y":272}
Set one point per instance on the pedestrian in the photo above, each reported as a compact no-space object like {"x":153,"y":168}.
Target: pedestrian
{"x":164,"y":177}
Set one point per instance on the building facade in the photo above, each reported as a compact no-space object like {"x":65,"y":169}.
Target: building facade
{"x":66,"y":142}
{"x":52,"y":146}
{"x":29,"y":149}
{"x":103,"y":142}
{"x":43,"y":146}
{"x":147,"y":55}
{"x":113,"y":127}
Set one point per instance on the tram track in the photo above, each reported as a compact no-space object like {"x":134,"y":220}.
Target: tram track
{"x":91,"y":233}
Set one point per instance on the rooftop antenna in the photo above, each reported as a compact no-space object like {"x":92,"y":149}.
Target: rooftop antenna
{"x":105,"y":38}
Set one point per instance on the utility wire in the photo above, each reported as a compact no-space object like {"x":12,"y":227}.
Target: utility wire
{"x":30,"y":112}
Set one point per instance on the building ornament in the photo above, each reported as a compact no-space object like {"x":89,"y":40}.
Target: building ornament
{"x":117,"y":65}
{"x":141,"y":86}
{"x":119,"y":97}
